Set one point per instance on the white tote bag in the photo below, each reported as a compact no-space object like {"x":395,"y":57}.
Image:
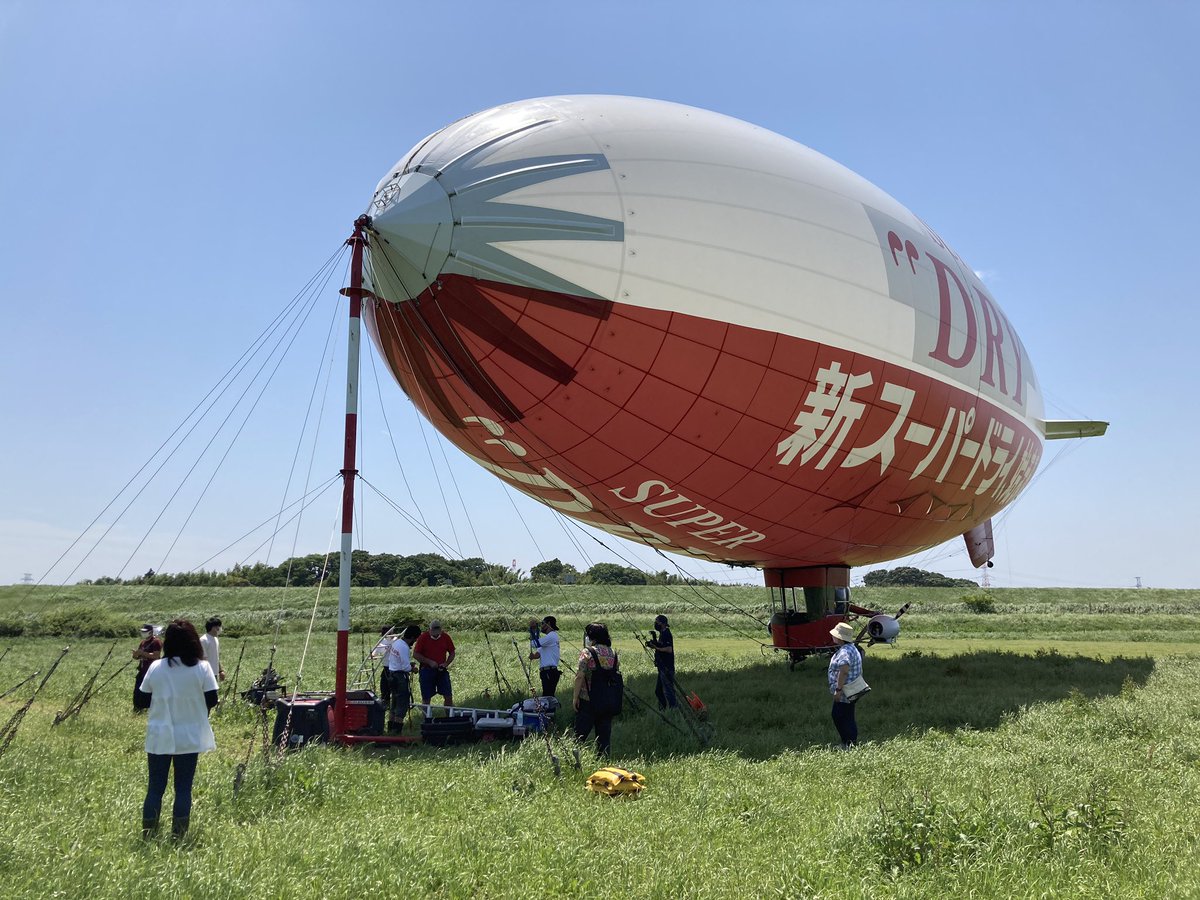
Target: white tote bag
{"x":854,"y":690}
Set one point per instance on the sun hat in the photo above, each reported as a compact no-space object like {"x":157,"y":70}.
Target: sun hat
{"x":843,"y":631}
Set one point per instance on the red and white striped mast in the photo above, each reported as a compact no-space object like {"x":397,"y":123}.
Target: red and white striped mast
{"x":356,"y":292}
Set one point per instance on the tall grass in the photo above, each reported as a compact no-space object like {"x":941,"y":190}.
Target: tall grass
{"x":983,"y":773}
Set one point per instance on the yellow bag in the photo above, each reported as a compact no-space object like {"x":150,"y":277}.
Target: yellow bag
{"x":615,"y":782}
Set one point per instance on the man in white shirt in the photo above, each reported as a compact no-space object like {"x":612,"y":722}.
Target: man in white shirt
{"x":394,"y":650}
{"x":212,"y":646}
{"x":548,"y":652}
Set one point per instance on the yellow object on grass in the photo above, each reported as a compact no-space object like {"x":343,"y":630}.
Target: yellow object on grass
{"x":615,"y":782}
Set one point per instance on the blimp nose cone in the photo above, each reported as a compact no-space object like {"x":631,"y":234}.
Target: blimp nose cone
{"x":413,"y":223}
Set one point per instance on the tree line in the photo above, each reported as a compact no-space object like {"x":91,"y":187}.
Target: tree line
{"x":392,"y":570}
{"x":907,"y":576}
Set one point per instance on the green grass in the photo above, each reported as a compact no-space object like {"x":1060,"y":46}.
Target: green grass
{"x":1041,"y":750}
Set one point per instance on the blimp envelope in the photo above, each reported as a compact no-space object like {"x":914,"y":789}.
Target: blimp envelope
{"x":695,"y":333}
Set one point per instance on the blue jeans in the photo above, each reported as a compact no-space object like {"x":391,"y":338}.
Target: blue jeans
{"x":160,"y":767}
{"x":843,"y":720}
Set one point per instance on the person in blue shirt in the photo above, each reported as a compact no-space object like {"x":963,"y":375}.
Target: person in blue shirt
{"x":663,"y":645}
{"x":844,"y":666}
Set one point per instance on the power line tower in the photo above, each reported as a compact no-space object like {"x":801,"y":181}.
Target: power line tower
{"x":1138,"y":580}
{"x":986,"y":581}
{"x":27,"y":578}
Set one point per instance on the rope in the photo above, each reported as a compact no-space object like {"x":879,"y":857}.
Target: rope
{"x":541,"y":716}
{"x":262,"y":726}
{"x":9,"y":731}
{"x":17,"y":687}
{"x":304,"y":426}
{"x":85,"y":693}
{"x":285,"y":735}
{"x":231,"y":685}
{"x":230,"y":374}
{"x":500,"y":677}
{"x":294,"y":329}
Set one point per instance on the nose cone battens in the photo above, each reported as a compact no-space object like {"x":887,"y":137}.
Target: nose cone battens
{"x":414,"y":223}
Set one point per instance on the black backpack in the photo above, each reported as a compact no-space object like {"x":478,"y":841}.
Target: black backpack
{"x":606,"y":688}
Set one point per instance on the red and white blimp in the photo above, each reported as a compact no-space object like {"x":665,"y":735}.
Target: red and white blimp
{"x":694,"y":333}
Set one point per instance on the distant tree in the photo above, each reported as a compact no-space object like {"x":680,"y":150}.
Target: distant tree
{"x":611,"y":573}
{"x":550,"y":570}
{"x":907,"y":576}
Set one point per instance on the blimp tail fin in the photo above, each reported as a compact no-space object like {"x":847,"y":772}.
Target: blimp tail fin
{"x":980,"y":545}
{"x":1058,"y":429}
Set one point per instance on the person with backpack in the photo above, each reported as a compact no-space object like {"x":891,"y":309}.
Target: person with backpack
{"x":599,"y":689}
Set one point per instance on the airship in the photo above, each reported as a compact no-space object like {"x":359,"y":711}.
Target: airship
{"x":697,"y":334}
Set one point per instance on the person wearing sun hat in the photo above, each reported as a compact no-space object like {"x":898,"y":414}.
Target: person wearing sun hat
{"x":844,"y":666}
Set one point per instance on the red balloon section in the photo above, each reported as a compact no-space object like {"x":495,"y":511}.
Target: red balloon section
{"x":702,"y":437}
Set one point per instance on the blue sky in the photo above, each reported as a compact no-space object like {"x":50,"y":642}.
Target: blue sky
{"x":174,"y":174}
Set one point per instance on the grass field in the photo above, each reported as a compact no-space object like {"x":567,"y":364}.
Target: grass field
{"x":1051,"y":748}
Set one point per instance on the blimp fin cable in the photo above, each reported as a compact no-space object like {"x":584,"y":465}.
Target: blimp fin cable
{"x":9,"y":730}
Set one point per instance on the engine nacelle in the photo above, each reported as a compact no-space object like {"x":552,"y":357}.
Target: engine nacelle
{"x":883,"y":629}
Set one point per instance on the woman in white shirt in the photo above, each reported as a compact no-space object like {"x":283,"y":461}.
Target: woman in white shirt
{"x":179,"y":689}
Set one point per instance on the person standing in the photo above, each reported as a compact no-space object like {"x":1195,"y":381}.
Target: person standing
{"x":434,"y":650}
{"x":663,"y":644}
{"x":597,"y":654}
{"x":548,"y":652}
{"x":182,"y":690}
{"x":148,"y":650}
{"x":394,"y":690}
{"x":844,"y":666}
{"x":212,"y":646}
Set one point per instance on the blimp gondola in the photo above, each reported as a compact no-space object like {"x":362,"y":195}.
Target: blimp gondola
{"x":697,"y":334}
